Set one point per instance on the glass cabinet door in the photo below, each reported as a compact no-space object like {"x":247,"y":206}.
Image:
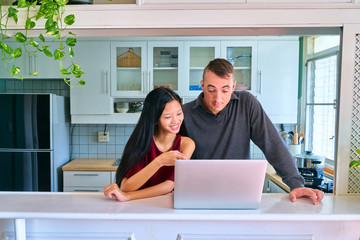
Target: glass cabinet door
{"x":242,"y":55}
{"x":198,"y":55}
{"x":128,"y":73}
{"x":164,"y":64}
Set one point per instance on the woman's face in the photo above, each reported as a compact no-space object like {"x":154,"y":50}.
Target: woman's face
{"x":171,"y":118}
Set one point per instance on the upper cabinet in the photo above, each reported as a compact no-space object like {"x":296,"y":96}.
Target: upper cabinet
{"x":278,"y":69}
{"x":94,"y":97}
{"x":46,"y":66}
{"x":128,"y":69}
{"x":120,"y":73}
{"x":197,"y":55}
{"x":139,"y":67}
{"x":242,"y":54}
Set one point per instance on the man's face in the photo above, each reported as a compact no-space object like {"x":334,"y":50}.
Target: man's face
{"x":217,"y":91}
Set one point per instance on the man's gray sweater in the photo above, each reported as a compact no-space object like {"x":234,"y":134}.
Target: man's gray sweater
{"x":228,"y":135}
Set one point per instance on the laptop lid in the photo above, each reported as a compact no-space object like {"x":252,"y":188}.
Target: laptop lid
{"x":219,"y":184}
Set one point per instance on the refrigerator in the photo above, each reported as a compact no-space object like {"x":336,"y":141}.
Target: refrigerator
{"x":34,"y":141}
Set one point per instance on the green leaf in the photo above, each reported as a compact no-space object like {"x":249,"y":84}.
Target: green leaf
{"x":50,"y":23}
{"x":33,"y":43}
{"x":77,"y":71}
{"x":41,"y":37}
{"x":34,"y":73}
{"x":47,"y":52}
{"x":20,"y":37}
{"x":71,"y":42}
{"x":29,"y":24}
{"x":7,"y":48}
{"x":354,"y":164}
{"x":71,"y":52}
{"x":61,"y":3}
{"x":33,"y":4}
{"x":23,"y":4}
{"x":70,"y":33}
{"x":82,"y":82}
{"x":12,"y":13}
{"x":358,"y":151}
{"x":64,"y":71}
{"x":15,"y":70}
{"x":69,"y":19}
{"x":58,"y":54}
{"x":17,"y":53}
{"x":52,"y":31}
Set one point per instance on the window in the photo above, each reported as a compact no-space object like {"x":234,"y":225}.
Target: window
{"x":321,"y":97}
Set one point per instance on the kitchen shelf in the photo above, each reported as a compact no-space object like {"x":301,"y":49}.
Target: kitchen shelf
{"x":128,"y":68}
{"x":116,"y":118}
{"x":240,"y":68}
{"x":166,"y":68}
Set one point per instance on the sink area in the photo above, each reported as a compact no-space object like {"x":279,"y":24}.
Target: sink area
{"x":117,"y":162}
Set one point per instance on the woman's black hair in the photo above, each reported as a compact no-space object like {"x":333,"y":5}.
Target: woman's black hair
{"x":140,"y":140}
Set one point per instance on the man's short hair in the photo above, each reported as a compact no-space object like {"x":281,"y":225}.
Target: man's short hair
{"x":221,"y":67}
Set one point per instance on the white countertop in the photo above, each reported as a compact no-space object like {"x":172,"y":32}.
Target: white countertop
{"x":29,"y":205}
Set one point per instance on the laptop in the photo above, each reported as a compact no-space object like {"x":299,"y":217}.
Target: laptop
{"x":219,"y":184}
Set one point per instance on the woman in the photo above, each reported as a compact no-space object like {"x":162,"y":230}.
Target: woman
{"x":147,"y":164}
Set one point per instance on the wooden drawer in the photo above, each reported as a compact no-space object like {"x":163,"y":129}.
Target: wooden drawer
{"x":86,"y":178}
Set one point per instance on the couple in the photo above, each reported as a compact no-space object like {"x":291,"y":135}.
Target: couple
{"x":220,"y":122}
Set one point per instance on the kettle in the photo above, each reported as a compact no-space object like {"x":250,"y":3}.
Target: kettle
{"x":309,"y":160}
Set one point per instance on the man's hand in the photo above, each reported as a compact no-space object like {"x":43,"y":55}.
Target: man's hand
{"x":315,"y":194}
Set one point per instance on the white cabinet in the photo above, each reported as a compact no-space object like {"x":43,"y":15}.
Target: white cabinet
{"x":138,"y":67}
{"x":271,"y":187}
{"x":243,"y":56}
{"x":21,"y":62}
{"x":46,"y":66}
{"x":94,"y":97}
{"x":86,"y":181}
{"x":166,"y":65}
{"x":277,"y":90}
{"x":267,"y":67}
{"x":197,"y":54}
{"x":128,"y":69}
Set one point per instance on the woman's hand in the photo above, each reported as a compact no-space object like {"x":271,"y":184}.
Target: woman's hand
{"x":113,"y":191}
{"x":169,"y":158}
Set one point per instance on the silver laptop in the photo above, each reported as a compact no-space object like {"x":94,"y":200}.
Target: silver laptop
{"x":219,"y":184}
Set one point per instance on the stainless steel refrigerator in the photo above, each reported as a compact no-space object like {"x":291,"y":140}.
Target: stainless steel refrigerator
{"x":34,"y":141}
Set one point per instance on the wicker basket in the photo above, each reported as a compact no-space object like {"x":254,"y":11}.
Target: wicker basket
{"x":129,"y":59}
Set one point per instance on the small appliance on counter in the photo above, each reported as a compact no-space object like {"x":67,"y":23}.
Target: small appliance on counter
{"x":311,"y":168}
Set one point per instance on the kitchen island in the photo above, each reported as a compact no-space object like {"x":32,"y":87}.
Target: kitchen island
{"x":91,"y":215}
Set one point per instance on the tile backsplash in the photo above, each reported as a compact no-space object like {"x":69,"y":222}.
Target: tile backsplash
{"x":83,"y":137}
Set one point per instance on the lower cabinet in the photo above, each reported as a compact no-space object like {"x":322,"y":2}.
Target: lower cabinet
{"x":271,"y":187}
{"x":87,"y":181}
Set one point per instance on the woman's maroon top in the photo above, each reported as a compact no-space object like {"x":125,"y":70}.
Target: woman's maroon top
{"x":164,"y":173}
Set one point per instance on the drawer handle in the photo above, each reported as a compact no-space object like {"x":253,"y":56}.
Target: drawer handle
{"x":86,"y":174}
{"x":79,"y":190}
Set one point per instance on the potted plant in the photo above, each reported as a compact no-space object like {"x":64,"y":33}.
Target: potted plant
{"x":56,"y":23}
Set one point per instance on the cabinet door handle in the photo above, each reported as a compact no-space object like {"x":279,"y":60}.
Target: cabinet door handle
{"x":35,"y":64}
{"x":259,"y":87}
{"x":106,"y":82}
{"x":86,"y":174}
{"x":30,"y":64}
{"x":148,"y":82}
{"x":143,"y":82}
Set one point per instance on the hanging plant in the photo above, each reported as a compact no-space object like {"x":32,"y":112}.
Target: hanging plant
{"x":355,"y":163}
{"x":53,"y":11}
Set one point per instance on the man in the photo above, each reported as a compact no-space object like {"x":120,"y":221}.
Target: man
{"x":222,"y":123}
